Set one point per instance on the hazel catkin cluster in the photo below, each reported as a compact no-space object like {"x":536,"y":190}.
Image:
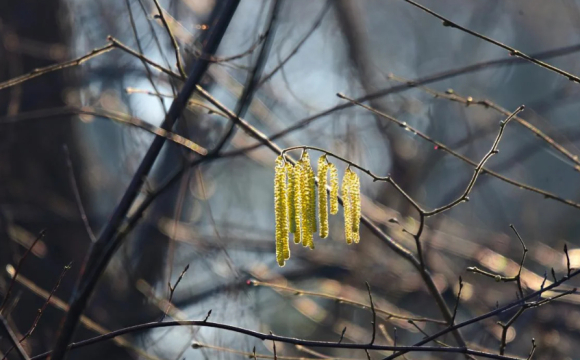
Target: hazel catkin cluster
{"x":297,"y":210}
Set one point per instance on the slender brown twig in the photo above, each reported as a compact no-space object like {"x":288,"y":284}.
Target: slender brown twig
{"x":18,"y":267}
{"x":45,"y":70}
{"x":457,"y":301}
{"x":497,"y":277}
{"x":533,"y":349}
{"x":172,"y":291}
{"x":172,"y":38}
{"x":374,"y":321}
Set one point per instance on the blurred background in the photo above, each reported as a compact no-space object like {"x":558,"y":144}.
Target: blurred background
{"x":219,"y":218}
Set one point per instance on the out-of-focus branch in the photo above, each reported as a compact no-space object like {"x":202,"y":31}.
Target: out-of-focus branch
{"x":342,"y":300}
{"x":468,"y":101}
{"x":512,"y":51}
{"x":108,"y":114}
{"x":294,"y":51}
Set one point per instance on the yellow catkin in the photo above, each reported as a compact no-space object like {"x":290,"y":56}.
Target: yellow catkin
{"x":280,"y":210}
{"x":333,"y":189}
{"x":286,"y":244}
{"x":291,"y":199}
{"x":312,"y":213}
{"x":306,"y":224}
{"x":356,"y":206}
{"x":347,"y":205}
{"x":298,"y":202}
{"x":322,"y":197}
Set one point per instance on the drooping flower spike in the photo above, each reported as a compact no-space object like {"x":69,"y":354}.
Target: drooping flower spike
{"x":308,"y":195}
{"x":296,"y":204}
{"x":322,"y":197}
{"x":281,"y":212}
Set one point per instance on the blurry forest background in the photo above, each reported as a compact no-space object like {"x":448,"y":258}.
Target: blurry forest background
{"x":218,"y":217}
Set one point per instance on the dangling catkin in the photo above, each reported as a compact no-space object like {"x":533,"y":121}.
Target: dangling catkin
{"x":322,"y":197}
{"x":333,"y":189}
{"x":312,"y":183}
{"x":306,"y":193}
{"x":356,"y":206}
{"x":287,"y":189}
{"x":297,"y":204}
{"x":347,"y":205}
{"x":291,"y":198}
{"x":280,"y":210}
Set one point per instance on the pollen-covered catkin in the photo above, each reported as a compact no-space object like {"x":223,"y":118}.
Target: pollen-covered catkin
{"x":347,"y":205}
{"x":298,"y":218}
{"x":280,"y":210}
{"x":306,"y":193}
{"x":356,"y":206}
{"x":312,"y":184}
{"x":333,"y":189}
{"x":322,"y":197}
{"x":286,"y":248}
{"x":291,"y":199}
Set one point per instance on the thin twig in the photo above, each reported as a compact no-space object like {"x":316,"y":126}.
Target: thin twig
{"x":342,"y":335}
{"x":465,"y":196}
{"x":47,"y":69}
{"x":524,"y":252}
{"x":457,"y":301}
{"x":505,"y":327}
{"x":207,"y":316}
{"x":77,"y":195}
{"x":172,"y":290}
{"x":500,"y":278}
{"x":426,"y":335}
{"x":140,"y":47}
{"x":217,"y":59}
{"x":533,"y":349}
{"x":374,"y":322}
{"x":274,"y":347}
{"x":173,"y":40}
{"x":18,"y":267}
{"x":567,"y":259}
